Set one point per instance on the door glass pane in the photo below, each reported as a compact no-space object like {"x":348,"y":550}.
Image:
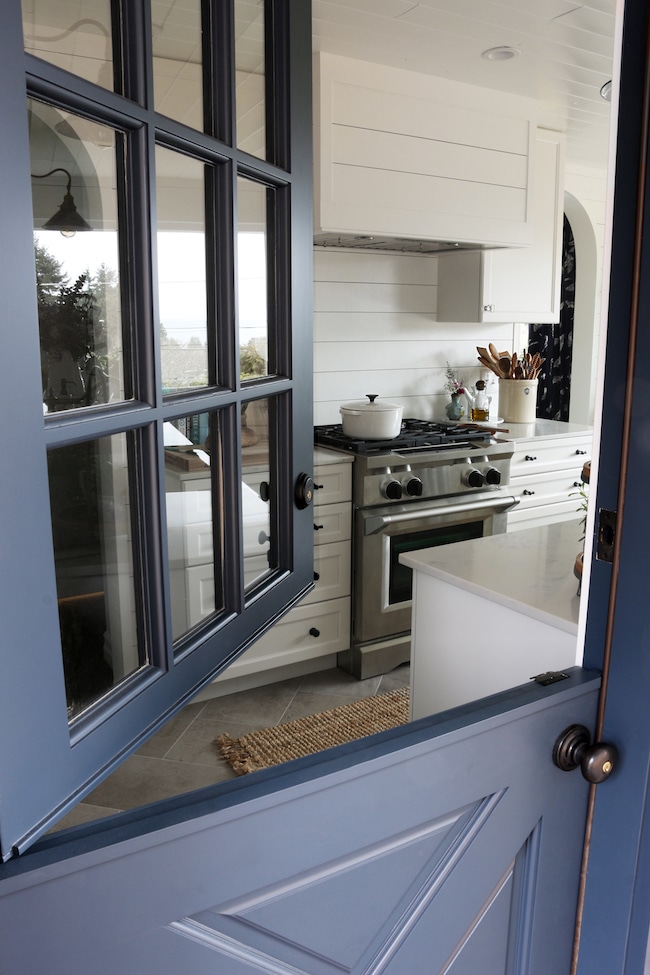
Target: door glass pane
{"x":74,"y":197}
{"x":252,"y":279}
{"x":191,"y":448}
{"x":259,"y":549}
{"x":73,"y":36}
{"x":93,"y":550}
{"x":250,"y":71}
{"x":177,"y":60}
{"x":182,"y":292}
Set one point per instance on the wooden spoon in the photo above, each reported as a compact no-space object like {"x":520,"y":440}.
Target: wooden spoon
{"x":504,"y":365}
{"x":493,"y":367}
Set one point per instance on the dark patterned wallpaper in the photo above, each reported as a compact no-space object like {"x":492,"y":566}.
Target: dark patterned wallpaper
{"x":555,"y":342}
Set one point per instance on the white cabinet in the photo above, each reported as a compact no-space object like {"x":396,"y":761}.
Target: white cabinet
{"x":546,"y":476}
{"x":405,"y":155}
{"x":320,"y":624}
{"x":190,"y":543}
{"x":513,"y":285}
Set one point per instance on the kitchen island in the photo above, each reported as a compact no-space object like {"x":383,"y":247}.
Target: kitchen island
{"x":491,"y":613}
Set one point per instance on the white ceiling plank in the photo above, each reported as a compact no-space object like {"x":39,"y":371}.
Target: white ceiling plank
{"x":566,"y":52}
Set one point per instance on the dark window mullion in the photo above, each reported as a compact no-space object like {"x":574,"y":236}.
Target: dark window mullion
{"x":229,"y":376}
{"x":219,"y":70}
{"x":133,"y":57}
{"x":271,"y":280}
{"x":283,"y":316}
{"x":277,"y":82}
{"x":138,"y":254}
{"x":214,"y":285}
{"x":148,"y":548}
{"x":230,"y":493}
{"x":282,"y":456}
{"x":224,"y":242}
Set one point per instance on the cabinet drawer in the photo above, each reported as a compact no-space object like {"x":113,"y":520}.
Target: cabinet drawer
{"x":332,"y":566}
{"x":546,"y":489}
{"x":535,"y":456}
{"x":544,"y":514}
{"x":332,"y":523}
{"x":332,"y":483}
{"x":307,"y":631}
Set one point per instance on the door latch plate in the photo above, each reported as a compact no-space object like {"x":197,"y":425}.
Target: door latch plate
{"x":606,"y":535}
{"x":550,"y":677}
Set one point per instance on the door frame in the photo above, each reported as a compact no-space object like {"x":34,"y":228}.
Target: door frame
{"x":613,"y":935}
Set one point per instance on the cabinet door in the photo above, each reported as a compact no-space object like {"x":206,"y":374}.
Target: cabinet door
{"x":523,"y":285}
{"x":513,"y":284}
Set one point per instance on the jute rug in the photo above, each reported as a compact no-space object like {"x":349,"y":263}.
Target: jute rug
{"x":305,"y":736}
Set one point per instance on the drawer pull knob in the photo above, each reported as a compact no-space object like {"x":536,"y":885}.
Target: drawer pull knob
{"x":527,"y":492}
{"x":316,"y":576}
{"x":581,"y":452}
{"x":318,"y":487}
{"x":528,"y":457}
{"x":318,"y":528}
{"x":314,"y":632}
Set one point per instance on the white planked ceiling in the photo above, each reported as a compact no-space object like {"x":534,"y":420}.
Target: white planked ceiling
{"x":566,"y":47}
{"x":566,"y":52}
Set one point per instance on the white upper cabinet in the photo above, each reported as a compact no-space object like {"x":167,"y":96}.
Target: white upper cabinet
{"x":513,"y":285}
{"x":406,"y":155}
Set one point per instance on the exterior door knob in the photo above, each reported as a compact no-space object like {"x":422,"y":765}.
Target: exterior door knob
{"x":304,"y":491}
{"x":574,"y":748}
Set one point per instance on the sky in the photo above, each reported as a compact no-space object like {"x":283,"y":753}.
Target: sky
{"x":181,"y":266}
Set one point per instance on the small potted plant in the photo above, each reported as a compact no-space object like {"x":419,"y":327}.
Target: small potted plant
{"x":583,"y":506}
{"x":455,"y":410}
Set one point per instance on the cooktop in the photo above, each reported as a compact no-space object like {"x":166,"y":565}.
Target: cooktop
{"x":413,"y":434}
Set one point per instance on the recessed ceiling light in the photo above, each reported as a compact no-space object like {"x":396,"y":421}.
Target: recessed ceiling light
{"x":503,"y":53}
{"x":606,"y":91}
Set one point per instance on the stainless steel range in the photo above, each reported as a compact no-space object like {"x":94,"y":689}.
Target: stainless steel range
{"x":433,"y":484}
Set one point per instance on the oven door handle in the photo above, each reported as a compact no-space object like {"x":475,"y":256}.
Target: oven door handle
{"x":375,"y":523}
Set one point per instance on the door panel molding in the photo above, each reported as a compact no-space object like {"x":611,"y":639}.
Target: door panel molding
{"x":227,"y":869}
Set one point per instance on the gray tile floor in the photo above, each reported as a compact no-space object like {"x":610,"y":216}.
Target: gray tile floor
{"x":183,"y":755}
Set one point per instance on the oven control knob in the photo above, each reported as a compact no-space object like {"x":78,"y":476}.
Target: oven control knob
{"x":413,"y":487}
{"x":392,"y":490}
{"x":473,"y":478}
{"x":492,"y":476}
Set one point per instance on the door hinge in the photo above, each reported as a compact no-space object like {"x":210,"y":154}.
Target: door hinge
{"x":606,"y":535}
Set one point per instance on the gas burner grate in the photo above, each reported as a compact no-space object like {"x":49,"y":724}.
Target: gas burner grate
{"x":414,"y":433}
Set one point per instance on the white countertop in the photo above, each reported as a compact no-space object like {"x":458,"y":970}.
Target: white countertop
{"x":530,"y":571}
{"x":541,"y":429}
{"x":322,"y":455}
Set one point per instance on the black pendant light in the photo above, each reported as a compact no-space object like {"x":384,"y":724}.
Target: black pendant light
{"x":67,"y":219}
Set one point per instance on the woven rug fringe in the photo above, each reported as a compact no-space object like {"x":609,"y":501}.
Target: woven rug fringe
{"x":314,"y":733}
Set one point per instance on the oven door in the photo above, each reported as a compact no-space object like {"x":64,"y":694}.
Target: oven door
{"x":382,"y":585}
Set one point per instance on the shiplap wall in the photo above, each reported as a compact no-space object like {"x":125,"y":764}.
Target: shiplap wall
{"x":375,"y":331}
{"x":376,"y":327}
